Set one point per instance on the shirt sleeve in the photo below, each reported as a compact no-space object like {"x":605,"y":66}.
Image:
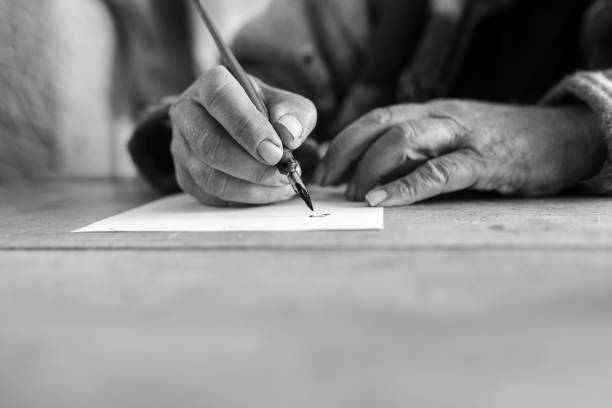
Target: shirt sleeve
{"x":594,"y":88}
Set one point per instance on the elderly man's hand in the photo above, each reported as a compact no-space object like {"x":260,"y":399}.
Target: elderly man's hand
{"x":225,"y":150}
{"x":407,"y":153}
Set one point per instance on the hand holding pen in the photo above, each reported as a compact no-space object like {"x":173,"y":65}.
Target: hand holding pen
{"x":224,"y":148}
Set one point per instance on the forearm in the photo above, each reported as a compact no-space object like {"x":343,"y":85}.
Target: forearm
{"x":594,"y":89}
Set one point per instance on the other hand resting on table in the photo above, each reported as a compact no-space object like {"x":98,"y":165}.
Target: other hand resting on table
{"x":407,"y":153}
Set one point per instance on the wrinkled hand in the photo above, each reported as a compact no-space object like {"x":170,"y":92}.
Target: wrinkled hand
{"x":422,"y":151}
{"x":225,"y":151}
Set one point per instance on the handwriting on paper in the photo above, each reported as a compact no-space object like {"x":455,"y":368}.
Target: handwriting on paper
{"x":183,"y":213}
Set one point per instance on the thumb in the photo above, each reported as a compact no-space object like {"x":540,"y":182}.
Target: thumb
{"x":293,"y":116}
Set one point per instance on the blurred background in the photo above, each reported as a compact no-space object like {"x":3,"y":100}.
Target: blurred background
{"x":69,"y":72}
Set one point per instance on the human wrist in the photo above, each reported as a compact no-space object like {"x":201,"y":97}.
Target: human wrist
{"x":585,"y":124}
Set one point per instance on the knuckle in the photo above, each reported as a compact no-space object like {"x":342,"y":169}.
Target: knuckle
{"x":456,"y":127}
{"x":216,"y":97}
{"x":454,"y":113}
{"x":471,"y":166}
{"x":174,"y":111}
{"x":177,"y":111}
{"x":211,"y":149}
{"x":246,"y":129}
{"x":405,"y":187}
{"x":190,"y":186}
{"x":438,"y":103}
{"x":450,"y":105}
{"x":215,"y":87}
{"x":406,"y":132}
{"x":436,"y":173}
{"x":381,"y":116}
{"x":215,"y":74}
{"x":215,"y":183}
{"x":395,"y":136}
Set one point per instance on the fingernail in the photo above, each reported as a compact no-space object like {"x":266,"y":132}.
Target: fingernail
{"x":269,"y":152}
{"x":377,"y":197}
{"x":293,"y":126}
{"x":319,"y":175}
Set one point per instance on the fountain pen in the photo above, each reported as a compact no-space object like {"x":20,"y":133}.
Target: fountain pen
{"x":288,"y":166}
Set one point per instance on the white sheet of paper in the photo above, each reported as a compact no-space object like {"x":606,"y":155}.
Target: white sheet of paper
{"x":183,"y":213}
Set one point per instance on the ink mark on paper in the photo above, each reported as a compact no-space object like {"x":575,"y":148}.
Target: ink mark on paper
{"x":319,"y":215}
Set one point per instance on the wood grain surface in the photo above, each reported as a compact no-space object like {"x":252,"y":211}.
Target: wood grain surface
{"x":43,"y":216}
{"x":462,"y":302}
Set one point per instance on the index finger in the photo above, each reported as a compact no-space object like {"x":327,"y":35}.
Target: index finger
{"x":346,"y":149}
{"x":228,"y":103}
{"x":458,"y":170}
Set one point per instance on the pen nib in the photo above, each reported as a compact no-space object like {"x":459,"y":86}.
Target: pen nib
{"x":305,"y":196}
{"x":300,"y":189}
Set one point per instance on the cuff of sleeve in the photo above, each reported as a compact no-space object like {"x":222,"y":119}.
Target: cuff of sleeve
{"x":149,"y":147}
{"x":594,"y":89}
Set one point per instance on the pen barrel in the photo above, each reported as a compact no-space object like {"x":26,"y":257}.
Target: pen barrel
{"x":288,"y":164}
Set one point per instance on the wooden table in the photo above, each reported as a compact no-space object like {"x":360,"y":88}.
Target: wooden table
{"x":463,"y":302}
